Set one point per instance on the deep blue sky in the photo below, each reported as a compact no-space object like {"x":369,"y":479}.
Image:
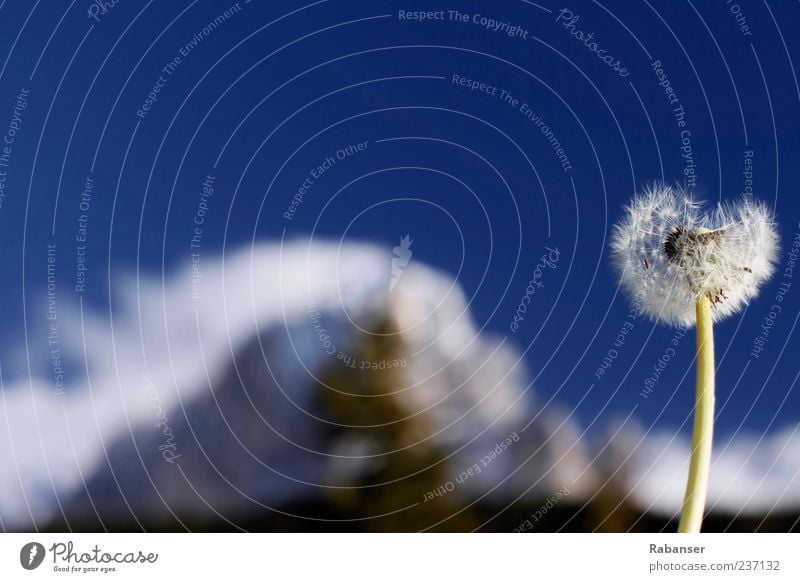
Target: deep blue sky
{"x":474,"y":182}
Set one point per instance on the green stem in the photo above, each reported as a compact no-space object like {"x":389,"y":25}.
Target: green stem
{"x":694,"y":500}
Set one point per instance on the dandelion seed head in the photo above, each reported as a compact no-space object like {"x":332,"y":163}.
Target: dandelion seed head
{"x":670,"y":252}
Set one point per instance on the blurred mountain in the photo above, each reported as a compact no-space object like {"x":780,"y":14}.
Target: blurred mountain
{"x":319,"y":387}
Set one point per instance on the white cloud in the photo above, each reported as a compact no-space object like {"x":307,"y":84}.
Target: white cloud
{"x":749,"y":474}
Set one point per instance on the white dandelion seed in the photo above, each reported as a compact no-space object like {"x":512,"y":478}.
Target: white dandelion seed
{"x":670,"y":253}
{"x":684,"y":266}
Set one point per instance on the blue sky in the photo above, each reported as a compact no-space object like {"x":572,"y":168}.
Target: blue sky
{"x":263,"y":97}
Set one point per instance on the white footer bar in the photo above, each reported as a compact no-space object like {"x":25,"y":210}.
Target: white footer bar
{"x":407,"y":557}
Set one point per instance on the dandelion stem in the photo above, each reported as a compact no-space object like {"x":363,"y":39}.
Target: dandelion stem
{"x":694,"y":500}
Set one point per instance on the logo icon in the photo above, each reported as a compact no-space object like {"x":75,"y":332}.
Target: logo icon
{"x":31,"y":555}
{"x":400,"y":260}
